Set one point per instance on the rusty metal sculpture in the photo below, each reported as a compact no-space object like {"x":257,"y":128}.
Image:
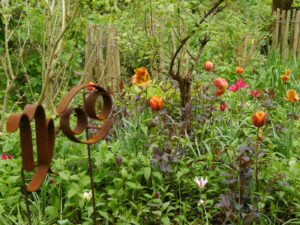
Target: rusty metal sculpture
{"x":45,"y":134}
{"x":65,"y":111}
{"x":45,"y":138}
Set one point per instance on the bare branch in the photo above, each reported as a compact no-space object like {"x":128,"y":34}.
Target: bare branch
{"x":213,"y":11}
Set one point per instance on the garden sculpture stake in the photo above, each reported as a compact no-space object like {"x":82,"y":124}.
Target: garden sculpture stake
{"x":45,"y":138}
{"x":83,"y":118}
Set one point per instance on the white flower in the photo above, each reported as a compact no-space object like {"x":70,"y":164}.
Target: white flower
{"x":201,"y":202}
{"x":201,"y":183}
{"x":87,"y":196}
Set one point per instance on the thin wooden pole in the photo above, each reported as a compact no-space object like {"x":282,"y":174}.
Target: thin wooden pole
{"x":117,"y":70}
{"x":99,"y":66}
{"x":109,"y":59}
{"x":277,"y":28}
{"x":286,"y":35}
{"x":274,"y":41}
{"x":293,"y":26}
{"x":283,"y":25}
{"x":88,"y":76}
{"x":296,"y":35}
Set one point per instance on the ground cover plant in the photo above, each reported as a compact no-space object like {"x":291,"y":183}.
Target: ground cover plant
{"x":206,"y":116}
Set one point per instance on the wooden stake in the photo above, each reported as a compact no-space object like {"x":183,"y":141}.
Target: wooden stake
{"x":286,"y":35}
{"x":88,"y":68}
{"x":99,"y":67}
{"x":117,"y":70}
{"x":109,"y":59}
{"x":296,"y":35}
{"x":293,"y":26}
{"x":283,"y":25}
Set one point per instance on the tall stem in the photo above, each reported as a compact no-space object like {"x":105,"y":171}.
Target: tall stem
{"x":256,"y":159}
{"x":91,"y":177}
{"x":26,"y":197}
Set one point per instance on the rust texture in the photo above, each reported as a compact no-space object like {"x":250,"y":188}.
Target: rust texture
{"x":83,"y":115}
{"x":45,"y":138}
{"x":45,"y":130}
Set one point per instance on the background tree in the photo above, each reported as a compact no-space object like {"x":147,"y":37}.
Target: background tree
{"x":282,"y":4}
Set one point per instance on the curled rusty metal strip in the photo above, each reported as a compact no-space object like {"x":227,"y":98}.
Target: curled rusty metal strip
{"x":82,"y":115}
{"x":45,"y":139}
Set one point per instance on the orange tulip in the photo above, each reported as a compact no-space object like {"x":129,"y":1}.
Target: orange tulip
{"x":286,"y":76}
{"x":208,"y":66}
{"x":141,"y":77}
{"x":239,"y":70}
{"x":292,"y":96}
{"x":259,"y":119}
{"x":156,"y":103}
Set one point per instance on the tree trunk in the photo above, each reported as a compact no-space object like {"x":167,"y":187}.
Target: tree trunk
{"x":282,"y":4}
{"x":186,"y":100}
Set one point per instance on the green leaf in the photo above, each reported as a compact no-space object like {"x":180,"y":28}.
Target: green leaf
{"x":51,"y":211}
{"x":165,"y":220}
{"x":74,"y":189}
{"x":147,"y":173}
{"x":165,"y":205}
{"x":104,"y":214}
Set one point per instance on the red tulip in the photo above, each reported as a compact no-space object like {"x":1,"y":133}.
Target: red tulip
{"x":221,"y":83}
{"x":259,"y":119}
{"x":156,"y":103}
{"x":220,"y":92}
{"x":223,"y":107}
{"x":208,"y":66}
{"x":91,"y":87}
{"x":239,"y":70}
{"x":254,"y":94}
{"x":238,"y":85}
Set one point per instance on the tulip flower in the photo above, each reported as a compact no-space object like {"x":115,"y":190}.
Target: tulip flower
{"x":239,"y":70}
{"x":91,"y":87}
{"x":238,"y":85}
{"x":5,"y":157}
{"x":292,"y":96}
{"x":201,"y":183}
{"x":141,"y":77}
{"x":87,"y":196}
{"x":259,"y":119}
{"x":223,"y":107}
{"x":221,"y":83}
{"x":156,"y":103}
{"x":260,"y":135}
{"x":286,"y":76}
{"x":254,"y":94}
{"x":220,"y":92}
{"x":208,"y":66}
{"x":53,"y":181}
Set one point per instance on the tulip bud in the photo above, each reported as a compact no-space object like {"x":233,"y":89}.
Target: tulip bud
{"x":221,"y":83}
{"x":208,"y":66}
{"x":259,"y":119}
{"x":156,"y":103}
{"x":239,"y":70}
{"x":91,"y":87}
{"x":260,"y":136}
{"x":157,"y":194}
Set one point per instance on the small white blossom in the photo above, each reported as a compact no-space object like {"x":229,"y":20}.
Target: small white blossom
{"x":202,"y":182}
{"x":201,"y":202}
{"x":87,"y":196}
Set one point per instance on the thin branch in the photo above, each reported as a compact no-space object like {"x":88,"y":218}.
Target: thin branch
{"x":213,"y":11}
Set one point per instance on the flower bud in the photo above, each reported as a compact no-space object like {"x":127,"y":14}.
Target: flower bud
{"x":259,"y":119}
{"x":208,"y":66}
{"x":156,"y":103}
